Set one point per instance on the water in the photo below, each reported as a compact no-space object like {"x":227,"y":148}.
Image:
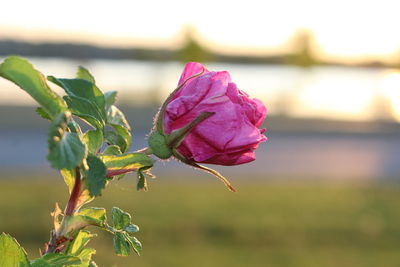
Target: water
{"x":324,"y":91}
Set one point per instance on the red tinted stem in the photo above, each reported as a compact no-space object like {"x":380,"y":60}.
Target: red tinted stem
{"x":76,"y":191}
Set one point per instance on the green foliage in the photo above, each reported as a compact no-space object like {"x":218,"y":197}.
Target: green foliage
{"x":11,"y":253}
{"x":122,"y":227}
{"x":115,"y":139}
{"x":84,"y":168}
{"x":66,"y":150}
{"x":55,"y":260}
{"x":129,"y":161}
{"x":69,"y":178}
{"x":112,"y":150}
{"x":22,"y":73}
{"x":43,"y":113}
{"x":93,"y":139}
{"x":95,"y":176}
{"x":110,"y":97}
{"x":78,"y":244}
{"x":83,"y":73}
{"x":116,"y":117}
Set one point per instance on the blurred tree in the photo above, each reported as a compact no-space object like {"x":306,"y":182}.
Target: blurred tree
{"x":302,"y":54}
{"x":192,"y":50}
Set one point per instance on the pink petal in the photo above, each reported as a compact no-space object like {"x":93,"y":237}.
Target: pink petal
{"x":191,"y":68}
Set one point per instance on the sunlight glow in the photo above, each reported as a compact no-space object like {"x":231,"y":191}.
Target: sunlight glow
{"x":391,"y":89}
{"x":353,"y":29}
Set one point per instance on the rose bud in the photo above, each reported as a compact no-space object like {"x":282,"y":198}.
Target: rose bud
{"x":207,"y":119}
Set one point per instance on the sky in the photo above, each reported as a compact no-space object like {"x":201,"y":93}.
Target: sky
{"x":343,"y":29}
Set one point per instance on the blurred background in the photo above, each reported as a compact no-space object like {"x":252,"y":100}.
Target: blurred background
{"x":324,"y":189}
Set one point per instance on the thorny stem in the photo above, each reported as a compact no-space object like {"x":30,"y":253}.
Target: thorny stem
{"x":56,"y":241}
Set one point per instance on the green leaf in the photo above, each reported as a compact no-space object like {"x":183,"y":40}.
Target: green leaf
{"x":112,"y":150}
{"x":66,"y":150}
{"x":96,"y":175}
{"x":22,"y":73}
{"x":86,"y":110}
{"x":55,"y":260}
{"x":121,"y":219}
{"x":135,"y":244}
{"x":126,"y":162}
{"x":82,"y":88}
{"x":93,"y":139}
{"x":43,"y":113}
{"x":132,"y":228}
{"x":121,"y":245}
{"x":110,"y":97}
{"x":83,"y":73}
{"x":116,"y":117}
{"x":74,"y":127}
{"x":85,"y":256}
{"x":98,"y":214}
{"x":125,"y":134}
{"x":69,"y":178}
{"x":11,"y":253}
{"x":79,"y":242}
{"x":142,"y":182}
{"x":113,"y":138}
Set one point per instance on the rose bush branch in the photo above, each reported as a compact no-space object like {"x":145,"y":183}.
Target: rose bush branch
{"x":207,"y":119}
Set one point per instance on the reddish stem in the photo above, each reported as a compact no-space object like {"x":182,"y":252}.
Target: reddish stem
{"x":56,"y":243}
{"x":76,"y":191}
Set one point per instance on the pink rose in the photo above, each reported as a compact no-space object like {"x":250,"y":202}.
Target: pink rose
{"x":231,"y":134}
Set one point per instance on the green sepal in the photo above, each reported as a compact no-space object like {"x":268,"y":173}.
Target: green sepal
{"x":66,"y":149}
{"x":93,"y":140}
{"x":159,"y":120}
{"x":55,"y":260}
{"x":175,"y":138}
{"x":11,"y":253}
{"x":158,"y":145}
{"x":23,"y":74}
{"x":95,"y":179}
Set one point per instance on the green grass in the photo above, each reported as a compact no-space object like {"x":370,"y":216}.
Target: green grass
{"x":202,"y":224}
